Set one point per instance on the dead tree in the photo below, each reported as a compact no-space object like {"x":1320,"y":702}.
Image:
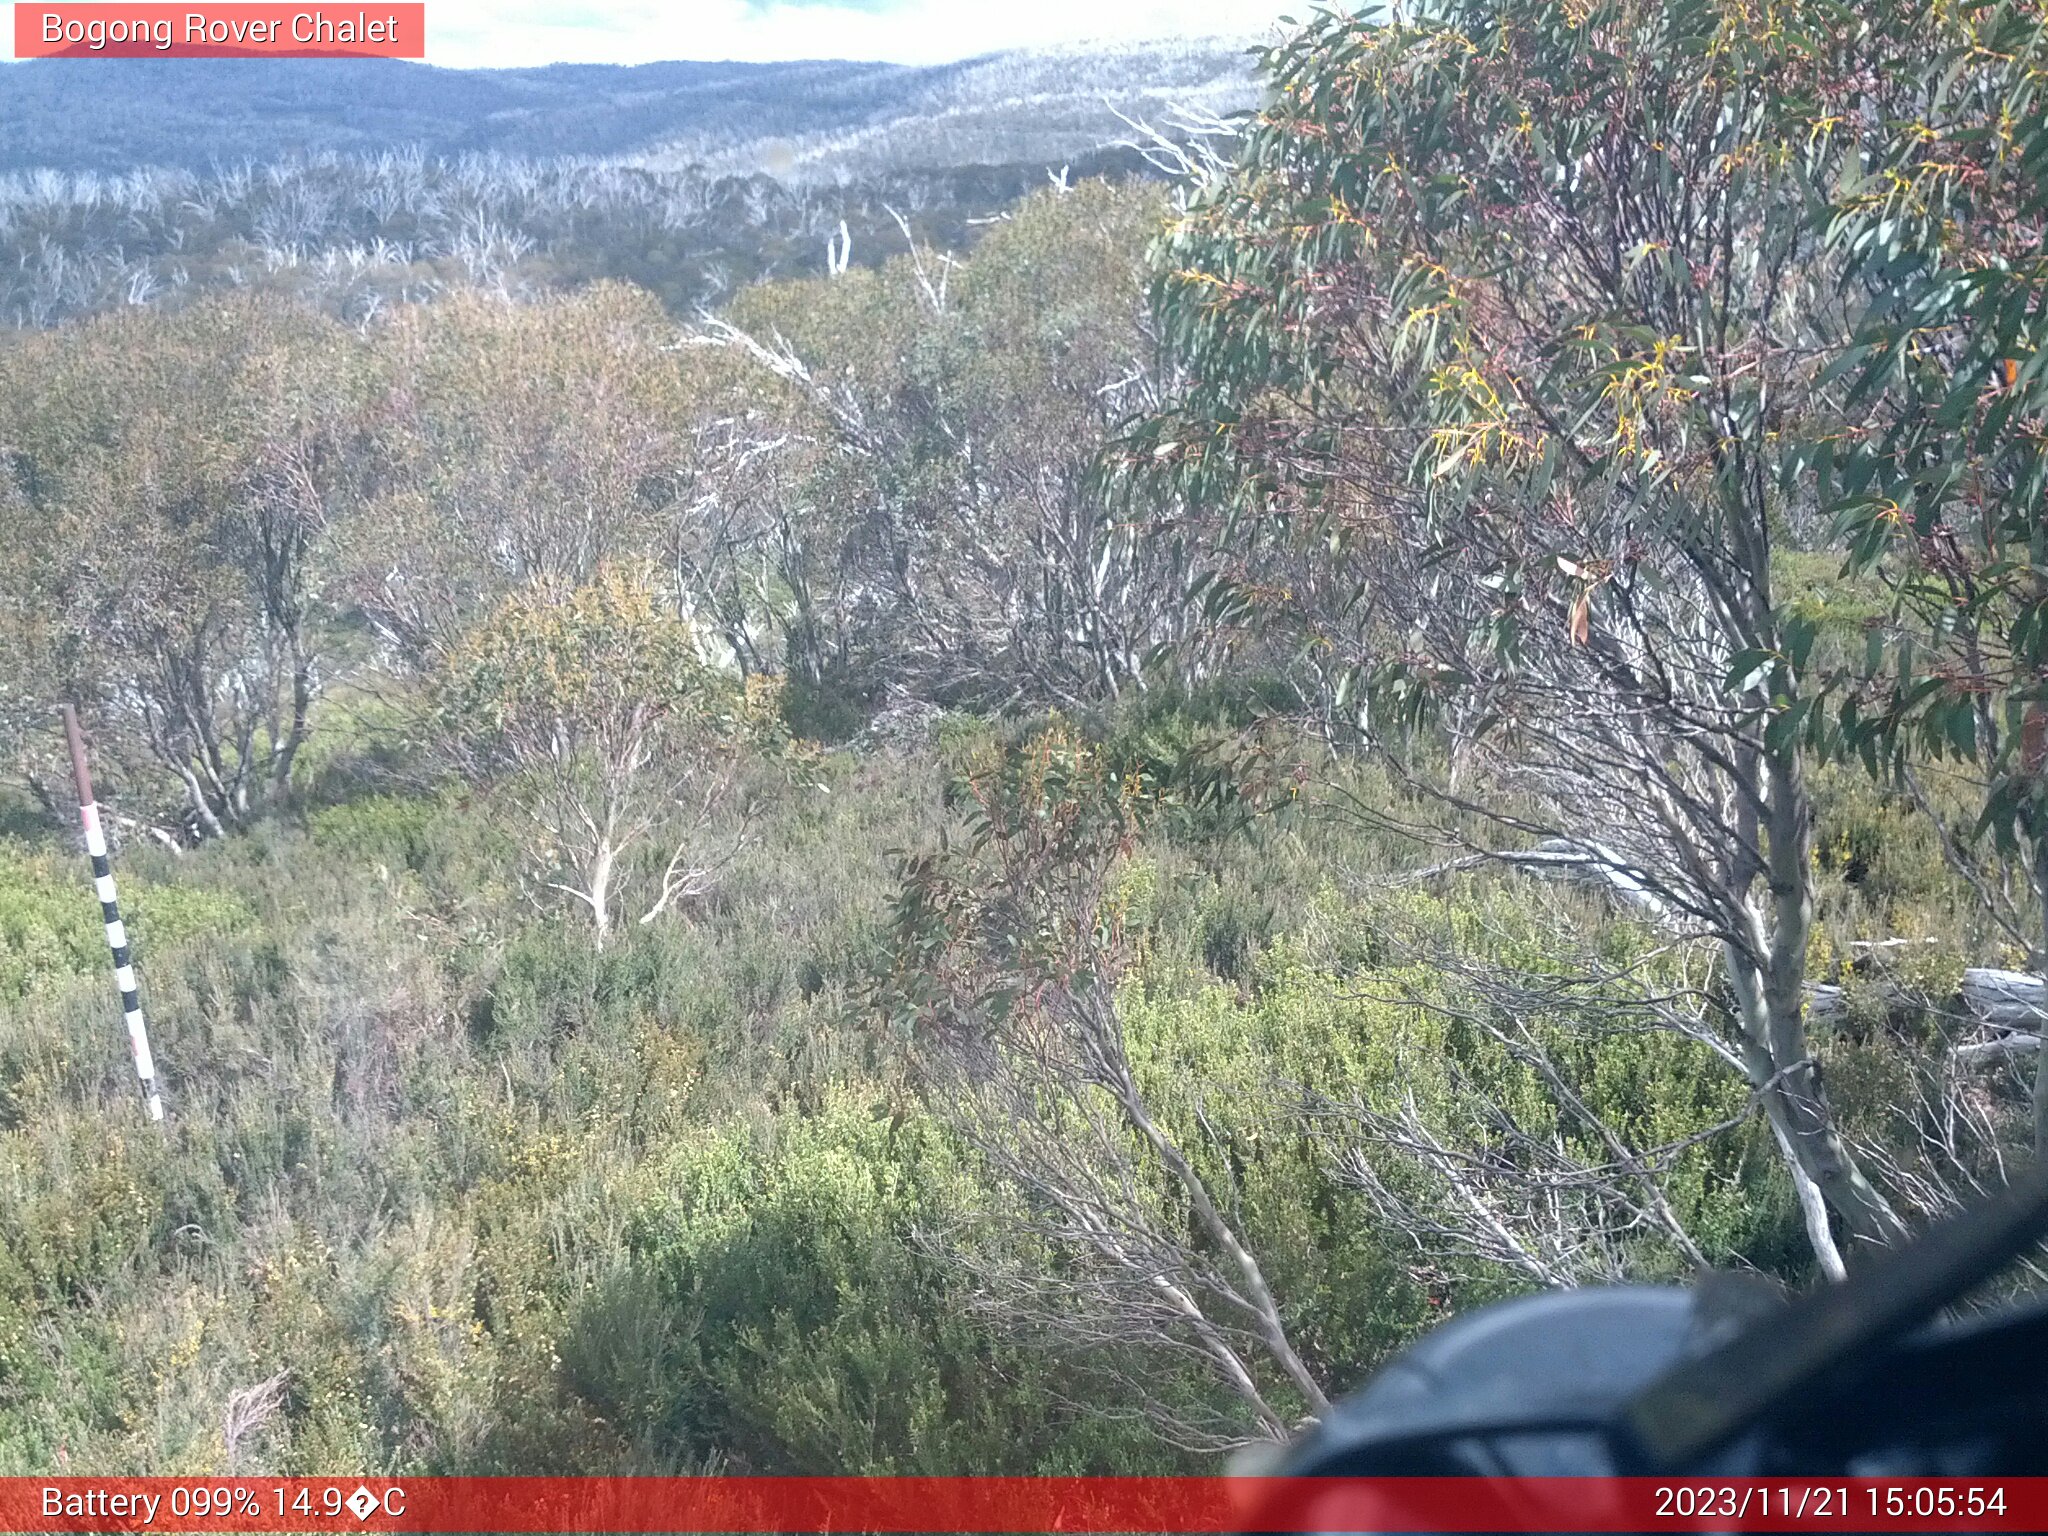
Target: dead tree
{"x":1006,"y":977}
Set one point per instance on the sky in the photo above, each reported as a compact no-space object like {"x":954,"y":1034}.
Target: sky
{"x":468,"y":34}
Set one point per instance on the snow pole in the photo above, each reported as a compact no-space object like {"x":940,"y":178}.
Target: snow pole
{"x":110,"y":910}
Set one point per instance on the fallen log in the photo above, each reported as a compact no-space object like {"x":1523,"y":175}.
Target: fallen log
{"x":1559,"y":858}
{"x":2000,"y":1049}
{"x":2006,"y":1001}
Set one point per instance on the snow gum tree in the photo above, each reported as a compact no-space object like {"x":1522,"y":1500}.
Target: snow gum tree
{"x":1528,"y":317}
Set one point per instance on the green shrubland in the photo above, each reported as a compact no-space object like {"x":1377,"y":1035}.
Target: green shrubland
{"x":497,"y":1200}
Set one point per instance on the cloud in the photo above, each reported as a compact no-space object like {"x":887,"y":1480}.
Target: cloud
{"x":471,"y":33}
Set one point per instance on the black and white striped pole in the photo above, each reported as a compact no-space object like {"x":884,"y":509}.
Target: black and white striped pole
{"x":110,"y":909}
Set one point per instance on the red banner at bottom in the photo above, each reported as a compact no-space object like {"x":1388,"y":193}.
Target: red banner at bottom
{"x":1019,"y":1504}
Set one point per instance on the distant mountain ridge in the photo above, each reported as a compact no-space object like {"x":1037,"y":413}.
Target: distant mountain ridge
{"x":799,"y":120}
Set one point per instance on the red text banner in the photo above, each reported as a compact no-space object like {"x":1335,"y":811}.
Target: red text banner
{"x":1081,"y":1506}
{"x":220,"y":31}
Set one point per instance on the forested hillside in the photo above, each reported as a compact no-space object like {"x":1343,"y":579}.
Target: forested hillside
{"x":1027,"y":854}
{"x":357,"y":183}
{"x":351,"y":235}
{"x":808,"y":120}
